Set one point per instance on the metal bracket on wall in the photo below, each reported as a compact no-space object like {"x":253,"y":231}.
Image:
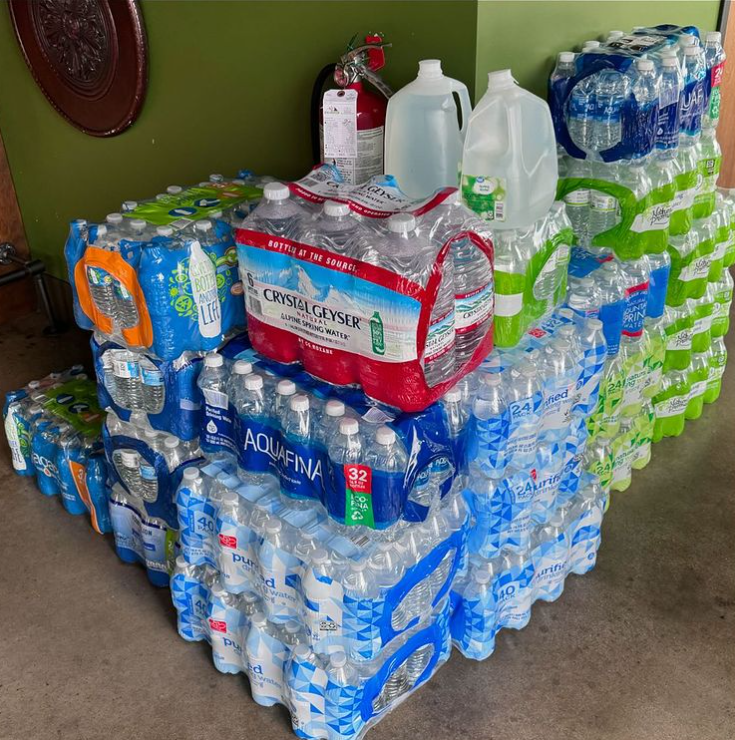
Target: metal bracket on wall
{"x":34,"y":269}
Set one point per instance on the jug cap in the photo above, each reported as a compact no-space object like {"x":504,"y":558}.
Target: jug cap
{"x":430,"y":68}
{"x":499,"y":79}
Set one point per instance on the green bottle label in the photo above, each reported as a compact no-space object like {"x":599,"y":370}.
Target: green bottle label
{"x":358,"y":496}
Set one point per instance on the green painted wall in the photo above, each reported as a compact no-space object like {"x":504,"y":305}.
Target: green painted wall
{"x":229,"y":87}
{"x":230,"y":83}
{"x":526,"y":35}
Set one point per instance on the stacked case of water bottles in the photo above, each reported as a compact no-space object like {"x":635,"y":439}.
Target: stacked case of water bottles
{"x":636,"y":118}
{"x":157,"y":284}
{"x":53,"y":430}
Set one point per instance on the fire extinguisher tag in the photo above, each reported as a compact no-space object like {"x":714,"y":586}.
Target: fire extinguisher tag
{"x":340,"y":124}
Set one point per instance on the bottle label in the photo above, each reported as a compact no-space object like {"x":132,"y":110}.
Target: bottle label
{"x":125,"y":369}
{"x":473,"y":309}
{"x":300,"y":469}
{"x":715,"y":81}
{"x":654,"y":218}
{"x":217,"y":432}
{"x":358,"y":495}
{"x":702,"y":324}
{"x":692,"y":107}
{"x":317,"y":302}
{"x":684,"y":199}
{"x":237,"y":558}
{"x":485,"y":195}
{"x":697,"y":269}
{"x":576,"y":198}
{"x":673,"y":406}
{"x":152,"y":377}
{"x":698,"y":389}
{"x":440,"y":338}
{"x":203,"y":278}
{"x":508,"y":305}
{"x":603,"y":202}
{"x":680,"y":340}
{"x":667,"y":134}
{"x":323,"y":608}
{"x":636,"y":300}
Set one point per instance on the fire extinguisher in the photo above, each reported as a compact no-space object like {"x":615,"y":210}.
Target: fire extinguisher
{"x":348,"y":124}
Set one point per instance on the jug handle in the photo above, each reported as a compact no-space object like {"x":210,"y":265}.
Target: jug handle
{"x":464,"y":101}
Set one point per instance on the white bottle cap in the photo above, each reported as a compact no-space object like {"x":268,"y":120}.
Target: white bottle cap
{"x":292,"y":627}
{"x":358,"y":566}
{"x":691,"y":51}
{"x":161,"y":196}
{"x":253,"y":383}
{"x":319,"y":556}
{"x":129,"y":458}
{"x":687,"y":39}
{"x":453,"y":395}
{"x":566,"y":56}
{"x":669,"y":61}
{"x":174,"y":189}
{"x":401,"y":223}
{"x":492,"y":379}
{"x":335,"y":208}
{"x":181,"y":562}
{"x":276,"y":191}
{"x":286,"y":388}
{"x":114,"y":218}
{"x":566,"y":313}
{"x":334,"y":408}
{"x":214,"y":215}
{"x":216,"y":178}
{"x":430,"y":68}
{"x":482,"y":576}
{"x":713,"y":36}
{"x":130,"y":205}
{"x":273,"y":525}
{"x":150,"y":433}
{"x":213,"y":360}
{"x":615,"y":35}
{"x":34,"y":384}
{"x":594,"y":324}
{"x":349,"y":427}
{"x":204,"y":225}
{"x":164,"y":231}
{"x":242,"y":367}
{"x":300,"y":402}
{"x":592,"y":44}
{"x":338,"y":659}
{"x":258,"y":619}
{"x":385,"y":436}
{"x":301,"y":651}
{"x":191,"y":473}
{"x":138,"y":224}
{"x":499,"y":78}
{"x":644,"y":65}
{"x":171,"y":442}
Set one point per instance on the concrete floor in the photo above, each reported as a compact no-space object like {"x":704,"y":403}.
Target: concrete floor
{"x":641,"y":648}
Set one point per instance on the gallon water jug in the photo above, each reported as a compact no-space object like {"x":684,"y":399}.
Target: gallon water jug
{"x":509,"y":164}
{"x":423,"y":140}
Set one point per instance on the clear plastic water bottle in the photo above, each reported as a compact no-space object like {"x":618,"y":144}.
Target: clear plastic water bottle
{"x":456,"y":416}
{"x":645,"y":93}
{"x":285,"y":389}
{"x":342,"y":695}
{"x":387,"y":564}
{"x":714,"y":59}
{"x":306,"y":681}
{"x":578,"y":201}
{"x":334,"y":229}
{"x":473,"y":280}
{"x":277,"y":214}
{"x":129,"y":471}
{"x":693,"y":99}
{"x":584,"y":298}
{"x":525,"y":394}
{"x":670,"y":89}
{"x":128,"y":386}
{"x":148,"y":476}
{"x":361,"y":615}
{"x":328,"y":425}
{"x":347,"y":446}
{"x":277,"y":564}
{"x":491,"y":417}
{"x":252,"y":409}
{"x":153,"y":389}
{"x":236,"y":382}
{"x":172,"y":452}
{"x":266,"y":654}
{"x":611,"y":91}
{"x":561,"y":371}
{"x":212,"y":383}
{"x":581,"y":110}
{"x":658,"y":276}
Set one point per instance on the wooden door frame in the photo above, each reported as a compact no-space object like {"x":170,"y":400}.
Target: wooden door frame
{"x":726,"y":126}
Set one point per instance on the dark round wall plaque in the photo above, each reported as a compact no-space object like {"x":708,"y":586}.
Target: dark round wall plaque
{"x":88,"y":56}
